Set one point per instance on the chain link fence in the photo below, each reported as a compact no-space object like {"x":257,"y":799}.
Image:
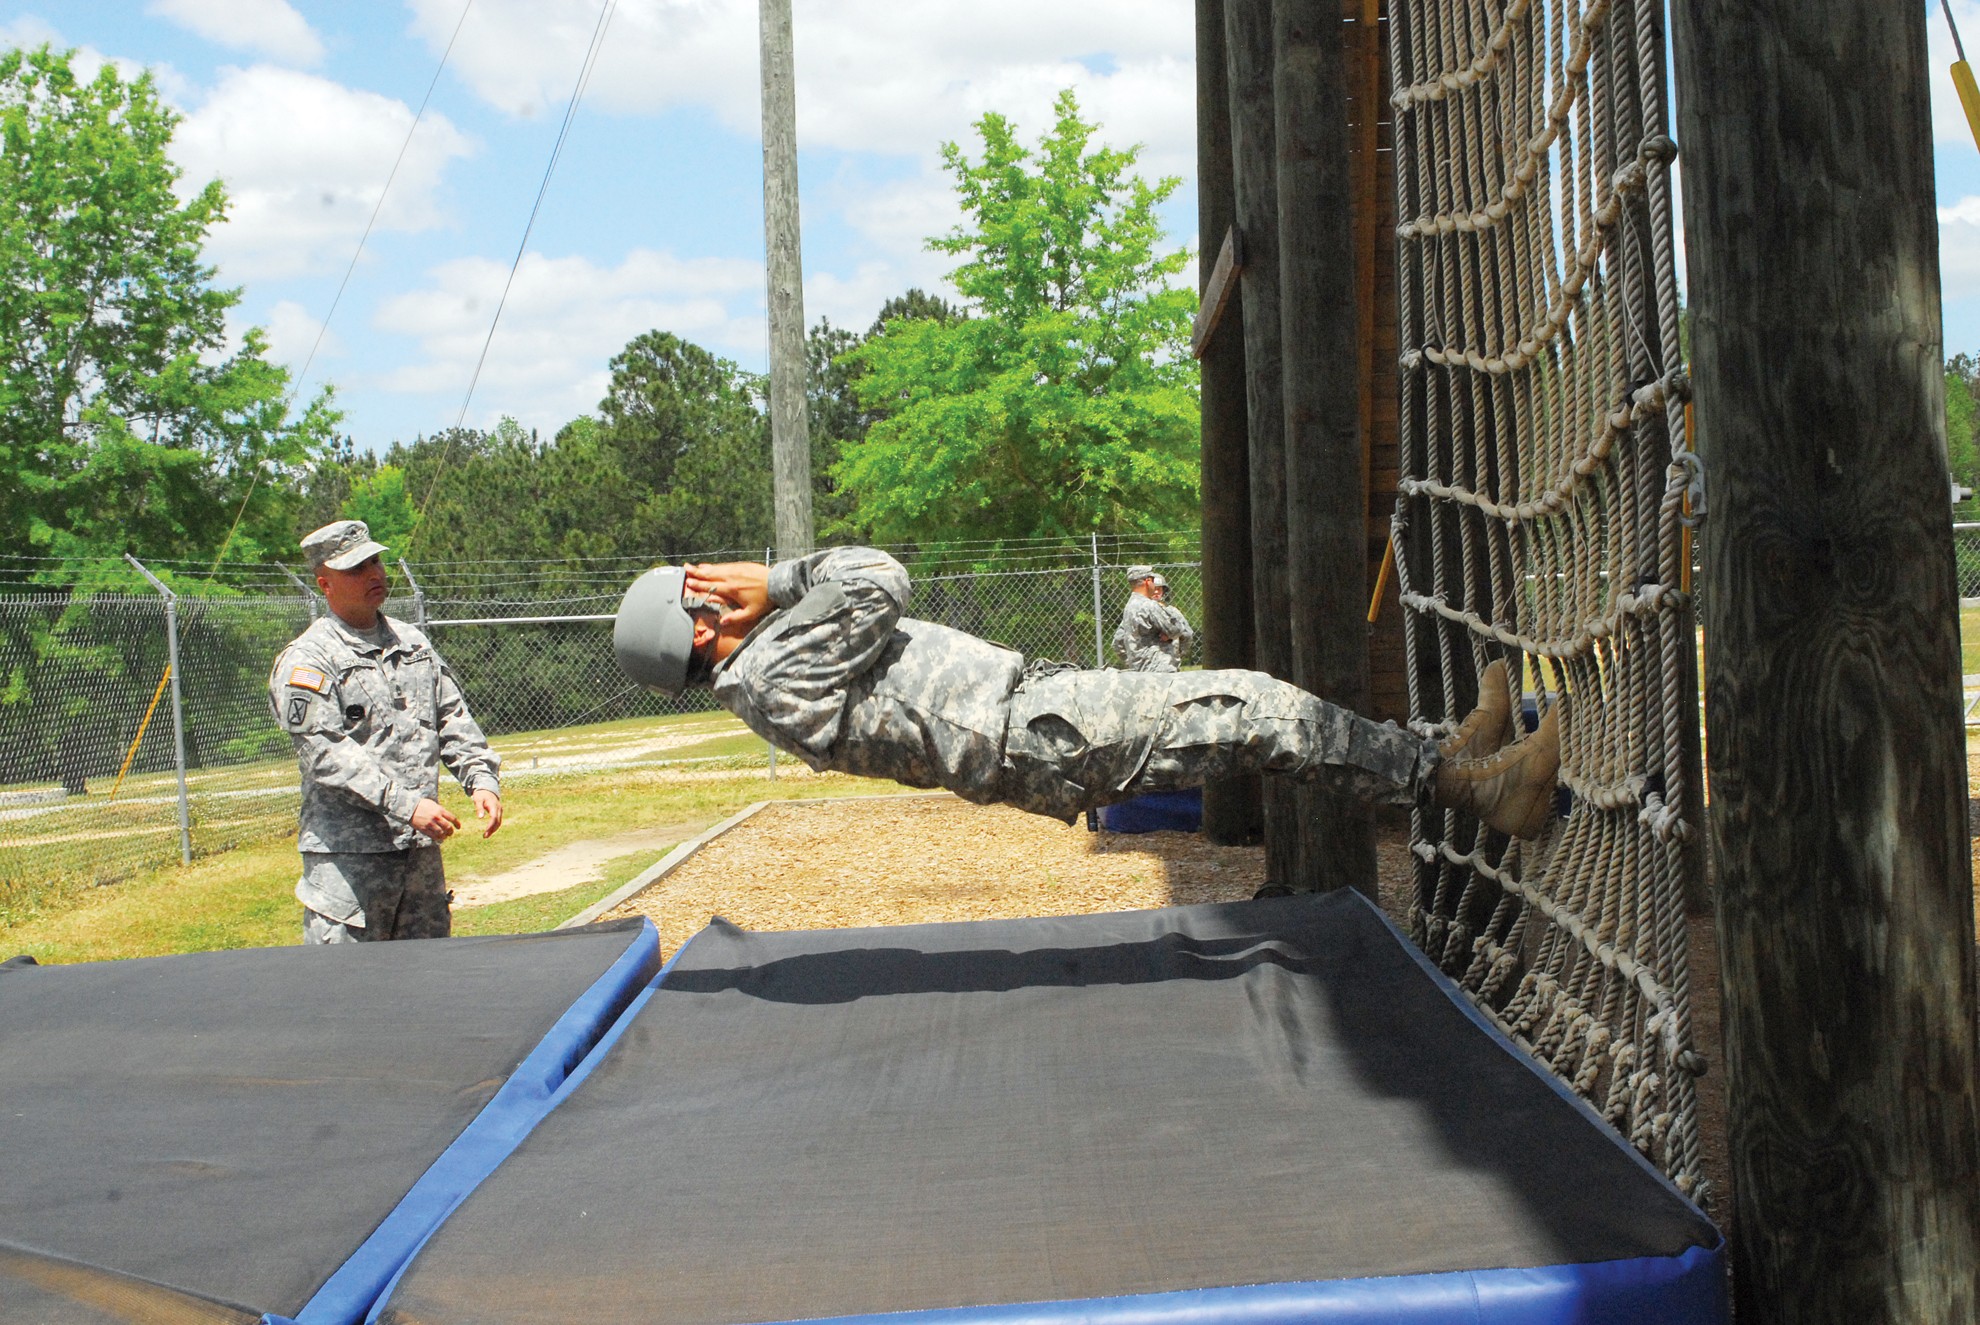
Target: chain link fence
{"x":1966,"y":559}
{"x":113,"y":761}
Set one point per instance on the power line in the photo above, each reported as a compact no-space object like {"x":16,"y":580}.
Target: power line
{"x":556,"y":152}
{"x":323,"y":327}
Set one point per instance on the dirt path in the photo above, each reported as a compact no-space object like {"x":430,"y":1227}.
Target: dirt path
{"x":569,"y":866}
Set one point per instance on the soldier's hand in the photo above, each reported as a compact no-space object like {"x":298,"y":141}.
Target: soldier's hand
{"x":434,"y":819}
{"x":743,"y":585}
{"x":487,"y":805}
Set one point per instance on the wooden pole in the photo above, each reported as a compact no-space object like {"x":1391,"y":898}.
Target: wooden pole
{"x":1230,"y":808}
{"x":1326,"y":508}
{"x":790,"y":441}
{"x":1838,"y":766}
{"x":1255,"y":193}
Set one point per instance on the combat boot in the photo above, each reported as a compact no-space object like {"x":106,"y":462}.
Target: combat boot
{"x":1490,"y":725}
{"x":1513,"y":791}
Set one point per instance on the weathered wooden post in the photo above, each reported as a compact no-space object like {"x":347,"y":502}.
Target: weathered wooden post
{"x":1230,"y":809}
{"x":1837,"y":756}
{"x":1248,"y":48}
{"x":1326,"y":505}
{"x":790,"y":439}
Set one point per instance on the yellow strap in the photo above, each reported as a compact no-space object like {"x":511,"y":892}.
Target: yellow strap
{"x":131,"y":753}
{"x":1381,"y":581}
{"x":1969,"y":96}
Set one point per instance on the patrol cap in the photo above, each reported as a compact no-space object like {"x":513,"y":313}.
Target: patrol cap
{"x":1161,"y":581}
{"x":340,"y":545}
{"x":654,"y":633}
{"x":1136,"y":574}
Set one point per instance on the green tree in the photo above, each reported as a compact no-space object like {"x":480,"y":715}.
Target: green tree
{"x":1962,"y":456}
{"x":1066,"y":401}
{"x":688,"y":433}
{"x":837,"y":416}
{"x":126,"y":422}
{"x":380,"y":500}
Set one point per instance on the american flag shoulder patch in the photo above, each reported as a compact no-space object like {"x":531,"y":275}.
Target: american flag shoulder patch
{"x":308,"y":678}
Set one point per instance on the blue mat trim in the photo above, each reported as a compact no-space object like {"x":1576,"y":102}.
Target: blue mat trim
{"x":575,"y":1078}
{"x":531,"y":1091}
{"x":1661,"y":1290}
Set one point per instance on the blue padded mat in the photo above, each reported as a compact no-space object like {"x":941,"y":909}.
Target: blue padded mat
{"x":268,"y":1133}
{"x":1269,"y":1112}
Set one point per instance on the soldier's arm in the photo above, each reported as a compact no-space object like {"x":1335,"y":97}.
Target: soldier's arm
{"x":463,"y":748}
{"x":841,"y":607}
{"x":1176,"y":626}
{"x":1123,"y":637}
{"x":304,"y":694}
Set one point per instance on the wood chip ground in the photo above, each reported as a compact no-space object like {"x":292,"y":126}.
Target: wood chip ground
{"x":851,"y":863}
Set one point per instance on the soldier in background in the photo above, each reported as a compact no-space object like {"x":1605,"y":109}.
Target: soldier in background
{"x":374,"y":713}
{"x":1152,"y":635}
{"x":815,"y":656}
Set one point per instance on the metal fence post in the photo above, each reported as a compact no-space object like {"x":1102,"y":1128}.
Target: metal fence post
{"x":309,"y":596}
{"x":419,"y":595}
{"x":178,"y":711}
{"x":1099,"y":650}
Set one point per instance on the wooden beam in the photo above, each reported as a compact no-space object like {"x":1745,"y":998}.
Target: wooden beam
{"x":1254,"y":172}
{"x":1326,"y":502}
{"x":1218,"y":288}
{"x":1838,"y":763}
{"x":1231,"y":806}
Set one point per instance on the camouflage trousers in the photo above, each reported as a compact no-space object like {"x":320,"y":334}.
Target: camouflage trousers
{"x":373,"y":896}
{"x":1079,"y":739}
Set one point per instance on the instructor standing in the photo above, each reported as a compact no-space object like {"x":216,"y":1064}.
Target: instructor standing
{"x":1152,"y":635}
{"x":374,"y":712}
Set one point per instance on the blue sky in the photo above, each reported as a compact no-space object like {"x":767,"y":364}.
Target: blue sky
{"x":654,"y":217}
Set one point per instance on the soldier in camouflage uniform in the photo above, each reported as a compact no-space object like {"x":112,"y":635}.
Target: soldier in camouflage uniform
{"x":373,"y":713}
{"x":1152,"y":635}
{"x":815,"y":656}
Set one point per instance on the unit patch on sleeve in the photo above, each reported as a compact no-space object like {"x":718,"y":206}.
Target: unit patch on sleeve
{"x":308,"y":678}
{"x":298,"y":710}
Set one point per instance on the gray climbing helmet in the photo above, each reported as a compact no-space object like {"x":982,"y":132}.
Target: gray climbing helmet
{"x":654,"y":633}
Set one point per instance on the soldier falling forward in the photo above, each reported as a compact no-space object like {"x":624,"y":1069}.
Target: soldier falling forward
{"x":815,"y":656}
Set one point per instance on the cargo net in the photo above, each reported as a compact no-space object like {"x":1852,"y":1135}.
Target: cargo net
{"x":1540,"y":519}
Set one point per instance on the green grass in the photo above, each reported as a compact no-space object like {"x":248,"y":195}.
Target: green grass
{"x":1969,"y":640}
{"x":245,"y":897}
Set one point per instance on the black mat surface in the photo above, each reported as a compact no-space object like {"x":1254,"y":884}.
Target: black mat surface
{"x":233,"y":1125}
{"x":860,"y":1121}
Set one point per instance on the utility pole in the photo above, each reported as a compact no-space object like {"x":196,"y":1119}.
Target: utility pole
{"x":790,"y":437}
{"x":1832,"y":681}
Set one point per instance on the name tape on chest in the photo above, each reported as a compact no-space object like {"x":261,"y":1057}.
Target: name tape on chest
{"x":308,"y":678}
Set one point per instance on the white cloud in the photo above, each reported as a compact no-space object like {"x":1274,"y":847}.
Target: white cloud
{"x":292,"y":334}
{"x":305,"y":160}
{"x":1959,"y":249}
{"x":267,"y":27}
{"x":873,"y":75}
{"x":565,"y":317}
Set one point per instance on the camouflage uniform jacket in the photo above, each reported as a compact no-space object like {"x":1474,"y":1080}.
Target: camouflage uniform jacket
{"x":371,"y":725}
{"x":839,"y":678}
{"x":1151,"y":636}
